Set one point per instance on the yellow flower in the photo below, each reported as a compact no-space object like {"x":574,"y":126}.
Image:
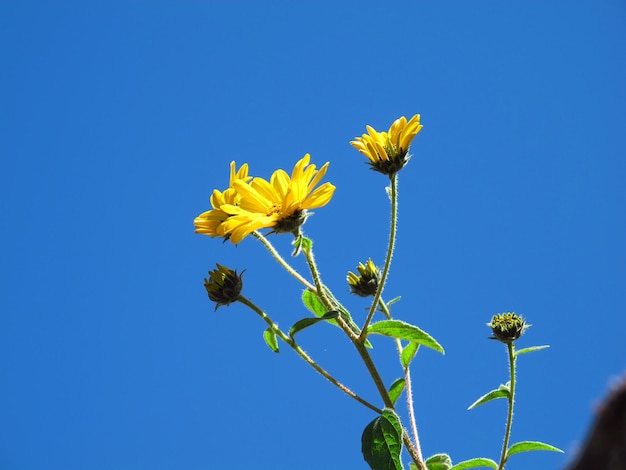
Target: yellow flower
{"x":388,"y":151}
{"x":280,"y":204}
{"x":210,"y":222}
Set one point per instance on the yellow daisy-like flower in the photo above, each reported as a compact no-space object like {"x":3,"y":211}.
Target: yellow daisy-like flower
{"x":388,"y":151}
{"x":280,"y":204}
{"x":210,"y":222}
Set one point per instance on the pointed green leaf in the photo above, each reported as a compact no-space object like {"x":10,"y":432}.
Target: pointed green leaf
{"x":396,"y":389}
{"x":527,"y":446}
{"x":393,"y":301}
{"x":408,"y":353}
{"x":438,"y":462}
{"x":313,"y":303}
{"x":476,"y":463}
{"x":345,"y":315}
{"x":301,"y":243}
{"x":307,"y":243}
{"x":412,"y":466}
{"x":381,"y":442}
{"x":501,"y":392}
{"x":270,"y":339}
{"x":401,"y":330}
{"x":306,"y":322}
{"x":531,"y":349}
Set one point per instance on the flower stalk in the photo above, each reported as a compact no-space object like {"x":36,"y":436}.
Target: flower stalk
{"x":359,"y":343}
{"x":266,"y":243}
{"x":304,"y":355}
{"x":511,"y":402}
{"x":408,"y":387}
{"x":391,"y":246}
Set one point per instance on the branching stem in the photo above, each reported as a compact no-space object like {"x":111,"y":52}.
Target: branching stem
{"x":304,"y":355}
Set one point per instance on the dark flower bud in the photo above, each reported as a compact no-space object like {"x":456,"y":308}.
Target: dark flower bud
{"x":223,"y":285}
{"x":507,"y":327}
{"x":366,"y":283}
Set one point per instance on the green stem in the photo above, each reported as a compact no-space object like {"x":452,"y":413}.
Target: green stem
{"x":511,"y":400}
{"x":407,"y":387}
{"x":359,"y":344}
{"x":392,"y":242}
{"x":317,"y":279}
{"x":281,"y":260}
{"x":304,"y":355}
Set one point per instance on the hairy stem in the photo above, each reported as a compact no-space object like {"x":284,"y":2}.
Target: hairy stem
{"x":407,"y":387}
{"x":281,"y":260}
{"x":511,"y":400}
{"x":304,"y":355}
{"x":392,"y":242}
{"x":359,"y":344}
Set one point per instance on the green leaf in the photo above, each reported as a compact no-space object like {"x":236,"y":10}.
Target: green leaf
{"x":313,"y":303}
{"x":531,"y":349}
{"x":301,"y":243}
{"x":381,"y":442}
{"x":306,"y":322}
{"x":401,"y":330}
{"x":393,"y":301}
{"x":345,"y":315}
{"x":527,"y":446}
{"x":396,"y":389}
{"x":501,"y":392}
{"x":475,"y":463}
{"x":412,"y":466}
{"x":408,"y":353}
{"x":270,"y":339}
{"x":438,"y":462}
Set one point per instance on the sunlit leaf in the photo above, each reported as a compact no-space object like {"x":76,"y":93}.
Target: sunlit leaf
{"x":408,"y":353}
{"x":301,"y":243}
{"x":531,"y":349}
{"x":438,"y":462}
{"x":313,"y":303}
{"x":306,"y":322}
{"x":270,"y":339}
{"x":396,"y":389}
{"x":381,"y":442}
{"x":401,"y":330}
{"x":527,"y":446}
{"x":475,"y":463}
{"x":501,"y":392}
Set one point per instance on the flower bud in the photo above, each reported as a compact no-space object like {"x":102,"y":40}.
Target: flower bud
{"x":507,"y":327}
{"x":366,"y":283}
{"x":223,"y":285}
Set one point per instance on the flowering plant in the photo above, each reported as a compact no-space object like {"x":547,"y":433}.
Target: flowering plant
{"x":282,"y":205}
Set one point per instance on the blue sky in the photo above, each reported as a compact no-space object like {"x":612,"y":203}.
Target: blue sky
{"x":118,"y":119}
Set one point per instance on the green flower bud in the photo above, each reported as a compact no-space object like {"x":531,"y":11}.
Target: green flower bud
{"x":366,"y":283}
{"x":223,"y":285}
{"x":507,"y":327}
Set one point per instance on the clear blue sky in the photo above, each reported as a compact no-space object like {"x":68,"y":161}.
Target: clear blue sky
{"x":118,"y":119}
